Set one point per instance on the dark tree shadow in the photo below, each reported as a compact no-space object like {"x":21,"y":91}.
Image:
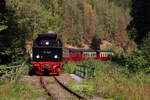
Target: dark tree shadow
{"x":95,"y":44}
{"x":2,"y":5}
{"x":140,"y":25}
{"x":12,"y":36}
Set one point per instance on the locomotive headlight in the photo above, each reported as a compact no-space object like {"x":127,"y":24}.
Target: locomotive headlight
{"x":37,"y":56}
{"x":55,"y":56}
{"x":47,"y":43}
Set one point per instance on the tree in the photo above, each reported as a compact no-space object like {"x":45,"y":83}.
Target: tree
{"x":95,"y":43}
{"x":24,"y":20}
{"x":145,"y":47}
{"x":140,"y":25}
{"x":2,"y":16}
{"x":136,"y":60}
{"x":11,"y":40}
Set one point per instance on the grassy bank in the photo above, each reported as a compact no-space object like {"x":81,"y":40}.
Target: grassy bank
{"x":13,"y":89}
{"x":20,"y":91}
{"x":113,"y":81}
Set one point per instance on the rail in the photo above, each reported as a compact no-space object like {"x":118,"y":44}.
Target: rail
{"x":49,"y":87}
{"x":70,"y":91}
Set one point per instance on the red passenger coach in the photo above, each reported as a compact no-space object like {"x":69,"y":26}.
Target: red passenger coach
{"x":81,"y":55}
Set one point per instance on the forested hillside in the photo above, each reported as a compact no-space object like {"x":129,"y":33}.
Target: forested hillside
{"x":78,"y":22}
{"x":119,"y":26}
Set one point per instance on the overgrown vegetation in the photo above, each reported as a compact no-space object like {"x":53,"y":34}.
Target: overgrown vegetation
{"x":20,"y":91}
{"x":114,"y":81}
{"x":12,"y":88}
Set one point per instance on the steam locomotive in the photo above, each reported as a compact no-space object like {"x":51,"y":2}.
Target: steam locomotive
{"x":49,"y":55}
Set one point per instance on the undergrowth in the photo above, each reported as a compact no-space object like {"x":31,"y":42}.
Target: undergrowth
{"x":20,"y":91}
{"x":13,"y":89}
{"x":113,"y":81}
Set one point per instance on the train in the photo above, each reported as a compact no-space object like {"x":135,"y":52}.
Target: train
{"x":49,"y":54}
{"x":71,"y":54}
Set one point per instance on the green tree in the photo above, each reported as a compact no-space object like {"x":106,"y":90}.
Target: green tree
{"x":136,"y":60}
{"x":95,"y":43}
{"x":2,"y":16}
{"x":55,"y":12}
{"x":145,"y":47}
{"x":11,"y":38}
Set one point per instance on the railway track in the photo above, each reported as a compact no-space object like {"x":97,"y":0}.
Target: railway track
{"x":58,"y":90}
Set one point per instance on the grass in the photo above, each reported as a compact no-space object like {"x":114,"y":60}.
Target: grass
{"x":86,"y":88}
{"x":114,"y":82}
{"x":13,"y":89}
{"x":20,"y":91}
{"x":3,"y":66}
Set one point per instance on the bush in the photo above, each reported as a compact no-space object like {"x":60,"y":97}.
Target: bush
{"x":145,"y":47}
{"x":135,"y":60}
{"x":69,"y":67}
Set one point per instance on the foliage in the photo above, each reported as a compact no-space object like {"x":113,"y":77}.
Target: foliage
{"x":79,"y":21}
{"x":69,"y":67}
{"x":31,"y":17}
{"x":88,"y":19}
{"x":112,"y":48}
{"x":2,"y":16}
{"x":21,"y":20}
{"x":20,"y":91}
{"x":115,"y":82}
{"x":135,"y":60}
{"x":55,"y":13}
{"x":95,"y":43}
{"x":138,"y":59}
{"x":83,"y":87}
{"x":145,"y":47}
{"x":126,"y":4}
{"x":11,"y":39}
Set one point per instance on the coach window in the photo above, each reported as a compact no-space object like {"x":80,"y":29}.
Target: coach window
{"x":104,"y":55}
{"x":88,"y":54}
{"x":92,"y":55}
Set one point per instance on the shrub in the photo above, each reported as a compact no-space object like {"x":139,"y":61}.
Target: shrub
{"x":135,"y":60}
{"x":69,"y":67}
{"x":145,"y":47}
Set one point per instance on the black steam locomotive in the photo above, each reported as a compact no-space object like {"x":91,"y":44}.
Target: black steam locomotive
{"x":47,"y":54}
